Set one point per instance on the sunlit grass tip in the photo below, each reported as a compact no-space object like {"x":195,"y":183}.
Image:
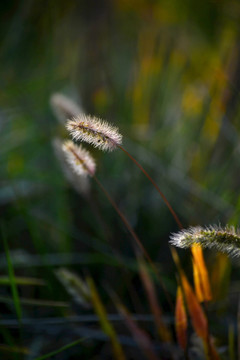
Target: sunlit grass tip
{"x":94,"y":131}
{"x":224,"y":239}
{"x":79,"y":159}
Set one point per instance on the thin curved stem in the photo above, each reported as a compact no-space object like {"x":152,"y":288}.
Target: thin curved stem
{"x":155,"y":185}
{"x":128,"y":226}
{"x":135,"y":237}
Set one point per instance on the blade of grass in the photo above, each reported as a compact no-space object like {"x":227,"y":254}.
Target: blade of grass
{"x":89,"y":318}
{"x":198,"y":318}
{"x":197,"y":314}
{"x":11,"y":276}
{"x":162,"y":329}
{"x":136,"y":239}
{"x":181,"y":320}
{"x":63,"y":348}
{"x":7,"y":334}
{"x":231,"y":345}
{"x":220,"y":276}
{"x":200,"y":272}
{"x":155,"y":185}
{"x":5,"y":280}
{"x":14,"y":349}
{"x":140,"y":336}
{"x":238,"y":329}
{"x":105,"y":323}
{"x":34,"y":302}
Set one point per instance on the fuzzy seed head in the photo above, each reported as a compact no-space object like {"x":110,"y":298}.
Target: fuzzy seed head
{"x":226,"y":240}
{"x":75,"y":286}
{"x":79,"y":159}
{"x":79,"y":183}
{"x":94,"y":131}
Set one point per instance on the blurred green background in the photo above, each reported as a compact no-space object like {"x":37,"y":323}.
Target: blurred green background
{"x":167,"y":73}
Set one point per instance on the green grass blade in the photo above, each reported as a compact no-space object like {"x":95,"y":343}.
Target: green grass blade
{"x":104,"y":322}
{"x":24,"y":281}
{"x":14,"y":349}
{"x":11,"y":276}
{"x":63,"y":348}
{"x":36,"y":302}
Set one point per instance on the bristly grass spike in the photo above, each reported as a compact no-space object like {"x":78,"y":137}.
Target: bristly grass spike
{"x":224,"y":239}
{"x":106,"y":137}
{"x":79,"y":159}
{"x":94,"y":131}
{"x":80,"y":183}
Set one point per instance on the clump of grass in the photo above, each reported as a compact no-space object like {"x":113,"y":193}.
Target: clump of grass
{"x":105,"y":137}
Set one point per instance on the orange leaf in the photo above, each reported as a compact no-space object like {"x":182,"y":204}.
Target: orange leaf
{"x":200,"y":273}
{"x":181,"y":320}
{"x":198,"y":283}
{"x":196,"y":312}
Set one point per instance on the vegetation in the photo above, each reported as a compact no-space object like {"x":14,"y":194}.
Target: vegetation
{"x":87,"y":268}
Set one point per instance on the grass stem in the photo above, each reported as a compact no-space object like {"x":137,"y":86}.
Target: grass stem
{"x":135,"y":237}
{"x":155,"y":185}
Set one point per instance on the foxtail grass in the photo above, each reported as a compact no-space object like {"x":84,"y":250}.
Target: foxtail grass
{"x":106,"y":137}
{"x":102,"y":135}
{"x":224,"y":239}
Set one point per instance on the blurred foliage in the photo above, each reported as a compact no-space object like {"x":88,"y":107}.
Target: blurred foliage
{"x":167,"y":74}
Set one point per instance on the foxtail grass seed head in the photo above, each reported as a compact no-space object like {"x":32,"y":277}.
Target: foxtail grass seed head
{"x":79,"y":159}
{"x":64,"y":108}
{"x":94,"y":131}
{"x":80,"y":183}
{"x":226,"y":240}
{"x":75,"y":286}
